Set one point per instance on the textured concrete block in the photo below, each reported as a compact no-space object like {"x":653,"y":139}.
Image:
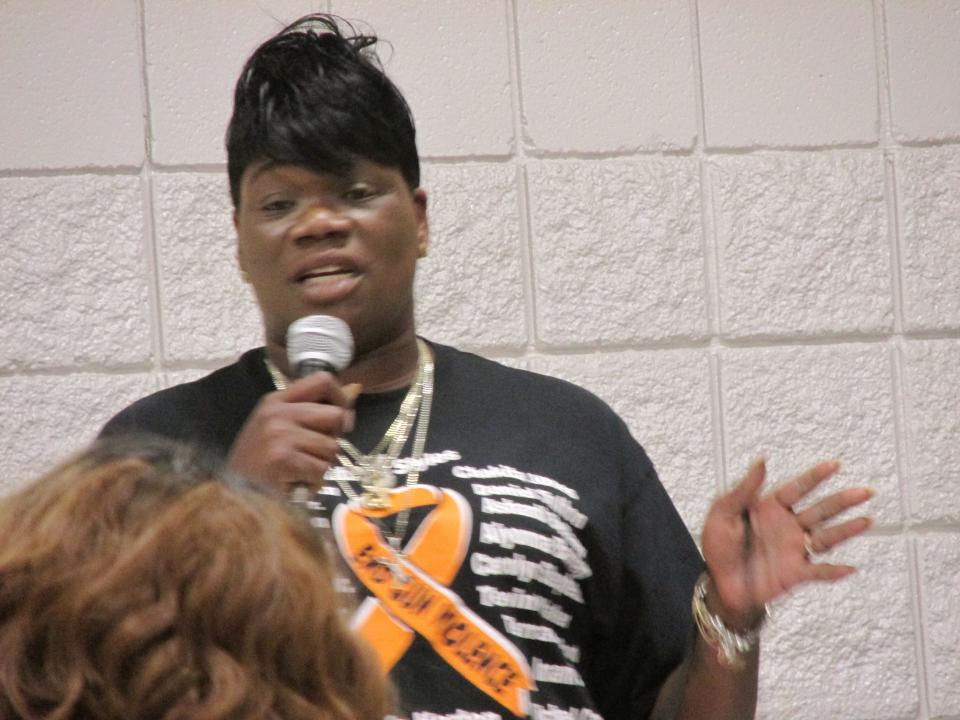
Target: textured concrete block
{"x":664,"y":397}
{"x":195,"y":52}
{"x":71,"y":84}
{"x":932,"y":398}
{"x":928,"y":185}
{"x":618,"y":250}
{"x":46,"y":417}
{"x":788,"y":72}
{"x":939,"y":557}
{"x":802,"y":244}
{"x":800,"y":405}
{"x":845,"y":650}
{"x":207,"y":311}
{"x":606,"y":76}
{"x":923,"y":46}
{"x":451,"y":62}
{"x":73,"y":280}
{"x":470,"y":286}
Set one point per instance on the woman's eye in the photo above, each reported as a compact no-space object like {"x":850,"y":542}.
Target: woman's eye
{"x":359,"y":192}
{"x":277,"y":206}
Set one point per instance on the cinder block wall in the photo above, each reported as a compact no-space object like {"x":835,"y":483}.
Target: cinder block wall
{"x":738,"y":221}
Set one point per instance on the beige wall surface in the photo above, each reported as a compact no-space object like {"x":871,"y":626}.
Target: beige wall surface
{"x":737,"y":221}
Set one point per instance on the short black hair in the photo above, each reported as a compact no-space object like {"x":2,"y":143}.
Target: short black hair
{"x":316,"y":96}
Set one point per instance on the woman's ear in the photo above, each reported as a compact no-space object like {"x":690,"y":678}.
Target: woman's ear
{"x":423,"y":223}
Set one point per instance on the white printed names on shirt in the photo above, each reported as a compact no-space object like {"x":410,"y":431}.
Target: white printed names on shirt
{"x":517,"y":598}
{"x":565,"y":548}
{"x":552,"y":712}
{"x":457,"y":715}
{"x":560,"y":674}
{"x":546,"y":573}
{"x":520,"y":513}
{"x":505,"y":471}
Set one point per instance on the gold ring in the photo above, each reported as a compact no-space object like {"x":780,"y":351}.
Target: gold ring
{"x":300,"y":493}
{"x":808,"y":545}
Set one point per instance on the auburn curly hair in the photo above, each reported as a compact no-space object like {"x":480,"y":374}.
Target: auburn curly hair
{"x":145,"y":581}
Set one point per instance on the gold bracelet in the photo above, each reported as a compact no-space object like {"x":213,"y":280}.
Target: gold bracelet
{"x":731,"y":646}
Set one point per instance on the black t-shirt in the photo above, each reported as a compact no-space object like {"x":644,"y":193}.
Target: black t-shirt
{"x":574,"y":573}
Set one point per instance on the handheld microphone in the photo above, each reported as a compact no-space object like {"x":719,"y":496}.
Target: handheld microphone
{"x":318,"y":343}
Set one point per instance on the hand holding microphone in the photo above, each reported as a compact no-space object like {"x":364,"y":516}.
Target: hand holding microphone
{"x":290,"y":439}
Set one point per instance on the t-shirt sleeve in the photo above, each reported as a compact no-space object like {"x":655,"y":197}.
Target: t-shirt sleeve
{"x":132,"y":420}
{"x":659,"y":565}
{"x":165,"y":414}
{"x":208,"y":412}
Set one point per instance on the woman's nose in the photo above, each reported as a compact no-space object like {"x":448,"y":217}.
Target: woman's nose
{"x":320,"y":222}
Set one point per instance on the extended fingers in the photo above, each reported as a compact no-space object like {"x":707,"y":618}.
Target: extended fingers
{"x":833,"y":505}
{"x":823,"y":539}
{"x":792,"y":491}
{"x":827,"y":572}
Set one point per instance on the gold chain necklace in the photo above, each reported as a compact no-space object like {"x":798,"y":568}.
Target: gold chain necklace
{"x":374,"y":471}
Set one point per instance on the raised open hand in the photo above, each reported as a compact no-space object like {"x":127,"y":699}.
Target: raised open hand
{"x":759,"y":546}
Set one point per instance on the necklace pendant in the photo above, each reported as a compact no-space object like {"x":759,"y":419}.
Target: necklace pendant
{"x":376,"y":479}
{"x":375,"y":501}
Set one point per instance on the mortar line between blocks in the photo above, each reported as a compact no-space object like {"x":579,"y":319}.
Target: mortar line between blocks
{"x":933,"y":528}
{"x":58,"y":172}
{"x":513,"y":61}
{"x":708,"y":242}
{"x":698,"y":101}
{"x":526,"y":257}
{"x":707,"y":234}
{"x":882,"y":59}
{"x":716,"y":411}
{"x":712,"y":298}
{"x":894,"y":241}
{"x":521,"y":179}
{"x":758,"y":151}
{"x":150,"y":249}
{"x":151,"y":258}
{"x":903,"y":450}
{"x":711,"y":257}
{"x":902,"y":444}
{"x":916,"y":607}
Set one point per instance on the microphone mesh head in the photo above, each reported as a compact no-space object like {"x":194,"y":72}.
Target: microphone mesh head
{"x":319,"y":339}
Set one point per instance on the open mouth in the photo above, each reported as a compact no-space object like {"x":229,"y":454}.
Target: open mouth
{"x":327,"y":272}
{"x":328,"y":283}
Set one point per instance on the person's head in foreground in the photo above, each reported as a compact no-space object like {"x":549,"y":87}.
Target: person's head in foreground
{"x":139,"y":580}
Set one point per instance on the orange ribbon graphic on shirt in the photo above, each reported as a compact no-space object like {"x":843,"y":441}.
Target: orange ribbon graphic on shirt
{"x":410,"y":593}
